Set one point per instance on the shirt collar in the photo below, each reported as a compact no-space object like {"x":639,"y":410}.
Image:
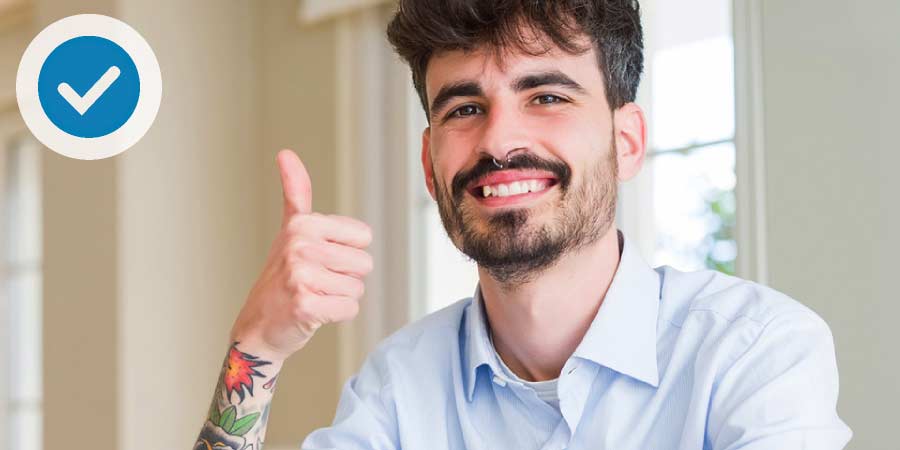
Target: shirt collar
{"x":622,"y":335}
{"x":479,"y":351}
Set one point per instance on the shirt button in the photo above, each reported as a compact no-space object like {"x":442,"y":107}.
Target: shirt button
{"x":499,"y":381}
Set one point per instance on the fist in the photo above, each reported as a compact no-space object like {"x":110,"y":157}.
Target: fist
{"x":313,"y":274}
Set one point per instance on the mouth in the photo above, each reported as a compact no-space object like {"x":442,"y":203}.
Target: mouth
{"x":511,"y":187}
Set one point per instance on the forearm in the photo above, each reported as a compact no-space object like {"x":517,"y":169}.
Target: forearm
{"x":239,"y":411}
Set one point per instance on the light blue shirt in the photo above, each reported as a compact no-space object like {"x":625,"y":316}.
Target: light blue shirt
{"x":672,"y":360}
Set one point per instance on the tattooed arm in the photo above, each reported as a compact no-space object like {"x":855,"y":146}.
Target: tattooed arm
{"x":313,"y":276}
{"x":239,"y":411}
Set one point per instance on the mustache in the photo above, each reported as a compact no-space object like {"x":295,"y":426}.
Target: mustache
{"x":485,"y":165}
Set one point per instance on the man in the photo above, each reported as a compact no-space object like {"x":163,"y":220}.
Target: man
{"x":571,"y":340}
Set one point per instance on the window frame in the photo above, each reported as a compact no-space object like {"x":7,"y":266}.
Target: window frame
{"x":636,"y":197}
{"x":12,"y":129}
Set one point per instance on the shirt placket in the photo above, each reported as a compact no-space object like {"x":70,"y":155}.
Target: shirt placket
{"x":574,"y":390}
{"x":538,"y":409}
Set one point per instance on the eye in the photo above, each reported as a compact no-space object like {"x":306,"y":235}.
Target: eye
{"x":464,"y":111}
{"x":548,"y":99}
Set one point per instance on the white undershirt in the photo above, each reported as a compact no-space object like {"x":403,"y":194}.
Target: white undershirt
{"x":545,"y":390}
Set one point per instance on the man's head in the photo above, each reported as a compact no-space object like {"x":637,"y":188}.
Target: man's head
{"x":549,"y":82}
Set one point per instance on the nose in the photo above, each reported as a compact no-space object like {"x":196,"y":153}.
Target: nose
{"x":504,"y":134}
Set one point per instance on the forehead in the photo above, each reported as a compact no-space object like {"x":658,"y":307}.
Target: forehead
{"x":487,"y":66}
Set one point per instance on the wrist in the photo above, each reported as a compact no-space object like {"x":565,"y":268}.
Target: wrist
{"x":258,"y":349}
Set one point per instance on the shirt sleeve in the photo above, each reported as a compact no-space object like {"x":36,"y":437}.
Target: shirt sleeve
{"x":366,"y":417}
{"x":781,"y":392}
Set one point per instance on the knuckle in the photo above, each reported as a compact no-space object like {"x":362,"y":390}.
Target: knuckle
{"x":303,"y":310}
{"x":305,"y":250}
{"x":299,"y":251}
{"x":294,"y":288}
{"x":300,"y":275}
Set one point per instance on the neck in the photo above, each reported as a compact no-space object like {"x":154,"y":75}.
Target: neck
{"x":536,"y":326}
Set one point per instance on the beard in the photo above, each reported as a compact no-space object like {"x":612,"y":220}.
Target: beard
{"x":507,"y":244}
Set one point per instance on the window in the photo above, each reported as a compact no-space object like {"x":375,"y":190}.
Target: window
{"x":20,"y":293}
{"x":692,"y":131}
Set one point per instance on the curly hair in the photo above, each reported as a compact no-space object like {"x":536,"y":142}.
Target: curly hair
{"x":420,"y":28}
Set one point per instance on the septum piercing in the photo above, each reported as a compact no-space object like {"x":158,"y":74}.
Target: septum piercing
{"x":508,"y":158}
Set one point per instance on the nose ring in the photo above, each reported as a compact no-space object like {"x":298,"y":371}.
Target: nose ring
{"x":508,"y":158}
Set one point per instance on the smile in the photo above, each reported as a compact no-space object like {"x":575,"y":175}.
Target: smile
{"x":512,"y":193}
{"x":514,"y":188}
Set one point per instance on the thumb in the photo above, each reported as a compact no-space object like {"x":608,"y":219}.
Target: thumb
{"x":295,"y":184}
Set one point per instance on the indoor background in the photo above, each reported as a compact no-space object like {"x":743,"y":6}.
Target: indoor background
{"x":774,"y":157}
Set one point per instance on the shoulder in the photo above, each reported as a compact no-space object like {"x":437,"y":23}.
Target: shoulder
{"x":716,"y":320}
{"x":429,"y":341}
{"x":724,"y":299}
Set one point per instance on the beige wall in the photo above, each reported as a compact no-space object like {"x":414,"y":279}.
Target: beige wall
{"x":189,"y":219}
{"x":831,"y":97}
{"x":150,"y":254}
{"x":80,"y":282}
{"x":80,"y":360}
{"x":15,"y":34}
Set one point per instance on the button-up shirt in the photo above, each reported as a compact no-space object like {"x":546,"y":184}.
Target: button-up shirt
{"x":672,"y":360}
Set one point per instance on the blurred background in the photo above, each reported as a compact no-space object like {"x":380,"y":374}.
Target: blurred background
{"x":774,"y":157}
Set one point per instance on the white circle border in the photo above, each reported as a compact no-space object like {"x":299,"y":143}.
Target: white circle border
{"x":144,"y":112}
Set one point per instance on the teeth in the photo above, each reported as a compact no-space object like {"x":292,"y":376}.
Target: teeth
{"x":514,"y":188}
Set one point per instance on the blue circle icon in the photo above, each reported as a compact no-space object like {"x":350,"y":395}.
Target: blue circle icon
{"x":89,"y":86}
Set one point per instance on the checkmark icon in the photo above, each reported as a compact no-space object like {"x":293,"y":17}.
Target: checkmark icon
{"x":83,"y":103}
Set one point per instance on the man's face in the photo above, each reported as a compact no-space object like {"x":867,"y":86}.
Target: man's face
{"x":557,"y":193}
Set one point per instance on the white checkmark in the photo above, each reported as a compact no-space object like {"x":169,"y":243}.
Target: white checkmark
{"x":83,"y":104}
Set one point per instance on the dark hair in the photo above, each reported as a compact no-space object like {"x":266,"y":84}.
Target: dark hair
{"x":422,"y":27}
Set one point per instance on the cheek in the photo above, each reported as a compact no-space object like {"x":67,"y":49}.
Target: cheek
{"x":450,"y":151}
{"x":571,"y":141}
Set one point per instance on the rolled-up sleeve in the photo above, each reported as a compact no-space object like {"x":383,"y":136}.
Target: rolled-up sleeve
{"x":366,"y":415}
{"x":781,"y":393}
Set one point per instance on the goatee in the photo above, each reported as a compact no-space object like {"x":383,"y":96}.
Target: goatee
{"x":513,"y":250}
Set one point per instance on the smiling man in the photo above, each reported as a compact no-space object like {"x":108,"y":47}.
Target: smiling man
{"x":571,"y":341}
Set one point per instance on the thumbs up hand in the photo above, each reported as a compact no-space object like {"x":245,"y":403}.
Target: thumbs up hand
{"x":313,"y":274}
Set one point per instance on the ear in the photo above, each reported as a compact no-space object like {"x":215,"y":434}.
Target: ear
{"x":426,"y":161}
{"x":631,"y":140}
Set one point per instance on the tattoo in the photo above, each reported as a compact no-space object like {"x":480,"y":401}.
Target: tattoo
{"x":239,"y":372}
{"x":270,"y":385}
{"x":228,"y":423}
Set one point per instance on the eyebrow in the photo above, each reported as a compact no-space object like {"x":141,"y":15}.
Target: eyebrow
{"x":523,"y":83}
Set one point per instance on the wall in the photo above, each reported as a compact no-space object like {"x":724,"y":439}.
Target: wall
{"x":15,"y":34}
{"x":189,"y":217}
{"x":830,"y":75}
{"x":150,"y":254}
{"x":80,"y":282}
